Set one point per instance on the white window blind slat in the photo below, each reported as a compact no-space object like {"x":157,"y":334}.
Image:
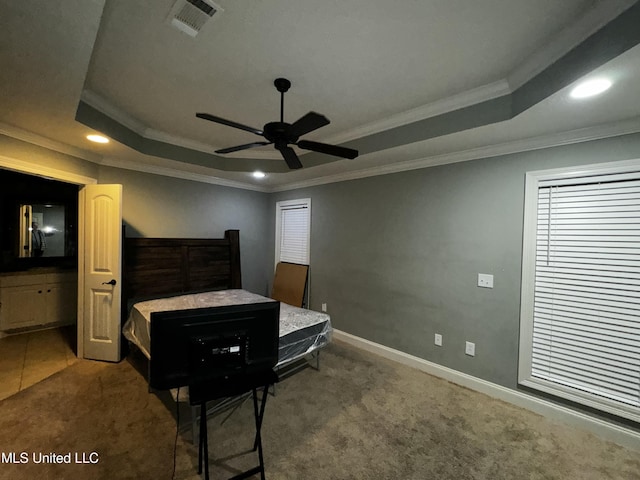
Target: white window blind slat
{"x":587,"y":272}
{"x":595,"y":296}
{"x":584,"y":323}
{"x":573,"y":309}
{"x":588,"y":340}
{"x":597,"y":376}
{"x":586,"y":183}
{"x":600,"y":282}
{"x":601,"y":269}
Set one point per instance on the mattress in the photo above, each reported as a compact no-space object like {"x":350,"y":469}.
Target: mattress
{"x":302,"y":331}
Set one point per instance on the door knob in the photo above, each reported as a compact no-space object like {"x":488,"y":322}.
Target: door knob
{"x":111,"y":282}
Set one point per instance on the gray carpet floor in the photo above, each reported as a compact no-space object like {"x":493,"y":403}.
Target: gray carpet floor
{"x":359,"y":417}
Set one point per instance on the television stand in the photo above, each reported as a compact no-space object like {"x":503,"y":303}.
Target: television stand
{"x":201,"y":393}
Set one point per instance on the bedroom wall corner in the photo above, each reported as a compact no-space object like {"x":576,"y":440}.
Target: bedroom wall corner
{"x":161,"y":206}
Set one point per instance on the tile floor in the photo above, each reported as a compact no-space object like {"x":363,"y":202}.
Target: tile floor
{"x":29,"y":358}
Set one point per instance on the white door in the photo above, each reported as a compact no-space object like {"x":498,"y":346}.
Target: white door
{"x":99,"y":272}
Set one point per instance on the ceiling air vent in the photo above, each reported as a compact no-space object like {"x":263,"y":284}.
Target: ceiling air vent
{"x":189,"y":16}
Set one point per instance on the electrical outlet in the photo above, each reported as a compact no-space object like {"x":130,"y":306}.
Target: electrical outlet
{"x":324,"y":307}
{"x":470,"y":349}
{"x":485,"y":280}
{"x":438,"y":339}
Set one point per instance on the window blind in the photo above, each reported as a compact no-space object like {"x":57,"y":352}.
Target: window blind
{"x":294,"y":233}
{"x":586,"y":307}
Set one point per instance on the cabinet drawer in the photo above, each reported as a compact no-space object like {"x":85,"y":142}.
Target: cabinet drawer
{"x":67,"y":277}
{"x":22,"y":280}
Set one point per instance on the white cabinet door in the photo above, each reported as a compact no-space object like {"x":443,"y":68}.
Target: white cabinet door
{"x":62,"y":302}
{"x":38,"y":299}
{"x":23,"y":306}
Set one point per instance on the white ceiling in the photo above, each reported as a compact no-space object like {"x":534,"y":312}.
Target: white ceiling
{"x":370,"y":66}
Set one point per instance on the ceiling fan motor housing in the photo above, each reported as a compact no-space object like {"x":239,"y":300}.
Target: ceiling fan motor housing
{"x":279,"y":132}
{"x":282,"y":84}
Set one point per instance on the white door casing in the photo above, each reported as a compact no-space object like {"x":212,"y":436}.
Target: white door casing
{"x":99,"y":272}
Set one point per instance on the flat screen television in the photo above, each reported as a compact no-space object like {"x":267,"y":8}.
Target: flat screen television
{"x":189,"y":347}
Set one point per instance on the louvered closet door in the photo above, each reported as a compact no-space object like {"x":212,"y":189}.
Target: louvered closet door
{"x":586,"y":330}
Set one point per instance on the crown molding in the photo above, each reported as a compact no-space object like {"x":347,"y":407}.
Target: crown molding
{"x":569,"y":38}
{"x":40,"y":141}
{"x":449,"y":104}
{"x":534,"y":143}
{"x":439,"y":107}
{"x":103,"y":105}
{"x":566,"y":40}
{"x":195,"y":145}
{"x":176,"y":173}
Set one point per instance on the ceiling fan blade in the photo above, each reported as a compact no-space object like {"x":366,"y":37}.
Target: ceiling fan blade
{"x":229,"y":123}
{"x":328,"y":149}
{"x":242,"y":147}
{"x":290,"y":157}
{"x":308,"y":123}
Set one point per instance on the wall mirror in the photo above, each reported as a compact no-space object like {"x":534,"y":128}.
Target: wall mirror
{"x":38,"y":222}
{"x":43,"y":231}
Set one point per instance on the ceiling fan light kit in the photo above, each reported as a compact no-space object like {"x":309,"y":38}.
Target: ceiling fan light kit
{"x":282,"y":135}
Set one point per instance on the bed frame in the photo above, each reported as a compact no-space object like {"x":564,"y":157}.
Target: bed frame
{"x":162,"y":267}
{"x":154,"y":267}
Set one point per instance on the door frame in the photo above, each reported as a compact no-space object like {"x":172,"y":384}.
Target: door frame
{"x":38,"y":170}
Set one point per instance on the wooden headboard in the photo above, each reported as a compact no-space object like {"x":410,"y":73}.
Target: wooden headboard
{"x":159,"y":266}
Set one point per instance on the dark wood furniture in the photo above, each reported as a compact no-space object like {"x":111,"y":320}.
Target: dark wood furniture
{"x":172,"y":266}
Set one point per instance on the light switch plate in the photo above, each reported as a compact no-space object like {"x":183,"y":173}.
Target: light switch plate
{"x":324,"y":307}
{"x":438,"y":339}
{"x":470,"y":349}
{"x":485,"y":280}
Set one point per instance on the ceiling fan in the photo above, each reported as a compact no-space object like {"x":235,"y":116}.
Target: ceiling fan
{"x":282,"y":134}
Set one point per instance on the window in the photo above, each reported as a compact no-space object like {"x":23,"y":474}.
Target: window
{"x":580,"y":313}
{"x":293,"y":229}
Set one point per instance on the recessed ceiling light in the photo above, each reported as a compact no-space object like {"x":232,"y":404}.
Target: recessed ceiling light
{"x":591,"y":88}
{"x":98,"y":138}
{"x":259,"y":174}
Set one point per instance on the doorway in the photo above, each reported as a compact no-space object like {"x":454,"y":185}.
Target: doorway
{"x":33,"y":352}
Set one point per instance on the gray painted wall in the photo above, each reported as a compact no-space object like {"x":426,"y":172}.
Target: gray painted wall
{"x":158,"y":206}
{"x":396,"y":257}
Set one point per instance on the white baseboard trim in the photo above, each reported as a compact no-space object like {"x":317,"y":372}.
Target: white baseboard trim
{"x":608,"y":431}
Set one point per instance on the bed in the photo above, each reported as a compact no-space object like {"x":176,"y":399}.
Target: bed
{"x":302,"y":332}
{"x":175,"y":274}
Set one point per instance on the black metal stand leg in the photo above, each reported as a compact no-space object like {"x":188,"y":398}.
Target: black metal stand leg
{"x":231,"y":386}
{"x":203,"y":447}
{"x":259,"y":417}
{"x":258,"y":440}
{"x":257,"y":444}
{"x":200,"y":440}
